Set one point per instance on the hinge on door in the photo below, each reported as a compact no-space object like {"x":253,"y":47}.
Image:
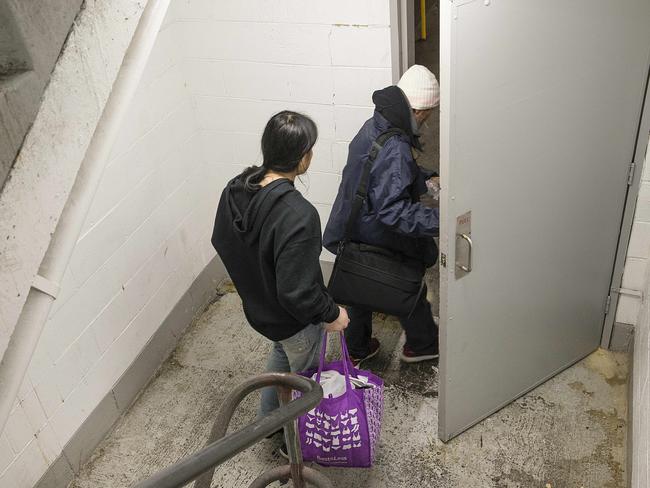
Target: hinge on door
{"x":630,"y":174}
{"x":608,"y":302}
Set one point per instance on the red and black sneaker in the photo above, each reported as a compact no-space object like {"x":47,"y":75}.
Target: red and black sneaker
{"x":374,"y":349}
{"x":409,"y":356}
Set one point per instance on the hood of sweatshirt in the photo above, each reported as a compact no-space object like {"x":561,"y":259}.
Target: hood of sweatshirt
{"x":394,"y":106}
{"x":250,"y":209}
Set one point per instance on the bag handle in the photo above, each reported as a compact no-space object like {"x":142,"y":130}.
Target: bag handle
{"x":362,"y":189}
{"x":345,"y":357}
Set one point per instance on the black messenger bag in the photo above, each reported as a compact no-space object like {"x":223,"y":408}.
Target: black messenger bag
{"x":371,"y":277}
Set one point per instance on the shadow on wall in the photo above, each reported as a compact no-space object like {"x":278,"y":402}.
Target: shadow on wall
{"x":31,"y":35}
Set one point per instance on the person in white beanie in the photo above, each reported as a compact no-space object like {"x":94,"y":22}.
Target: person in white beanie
{"x":422,"y":91}
{"x":392,"y":216}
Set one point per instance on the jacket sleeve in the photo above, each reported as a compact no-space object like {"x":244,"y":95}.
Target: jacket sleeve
{"x":391,"y":199}
{"x":299,"y":283}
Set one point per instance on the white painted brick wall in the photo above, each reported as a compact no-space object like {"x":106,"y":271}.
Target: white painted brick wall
{"x":641,"y":389}
{"x":218,"y":72}
{"x":139,"y":251}
{"x":331,"y":12}
{"x":321,"y":58}
{"x":349,"y":46}
{"x":32,"y":198}
{"x":632,"y":311}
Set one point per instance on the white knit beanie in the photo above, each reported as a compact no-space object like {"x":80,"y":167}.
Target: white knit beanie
{"x":420,"y":87}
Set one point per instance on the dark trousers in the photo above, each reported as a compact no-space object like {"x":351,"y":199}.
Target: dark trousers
{"x":421,"y":330}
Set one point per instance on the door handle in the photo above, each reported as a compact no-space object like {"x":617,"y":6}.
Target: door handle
{"x":468,"y":239}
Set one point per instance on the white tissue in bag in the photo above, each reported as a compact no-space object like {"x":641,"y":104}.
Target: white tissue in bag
{"x":333,"y":383}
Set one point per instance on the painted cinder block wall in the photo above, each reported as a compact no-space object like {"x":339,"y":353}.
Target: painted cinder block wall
{"x":640,"y":454}
{"x":137,"y":254}
{"x":321,"y":58}
{"x":637,"y":276}
{"x":218,"y":71}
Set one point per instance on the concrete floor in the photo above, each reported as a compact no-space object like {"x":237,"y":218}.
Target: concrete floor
{"x":569,"y":432}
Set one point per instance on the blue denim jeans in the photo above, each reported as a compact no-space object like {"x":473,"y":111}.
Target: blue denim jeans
{"x":297,"y":353}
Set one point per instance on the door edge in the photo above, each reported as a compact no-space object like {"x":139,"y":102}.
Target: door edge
{"x":627,"y":219}
{"x":402,"y":37}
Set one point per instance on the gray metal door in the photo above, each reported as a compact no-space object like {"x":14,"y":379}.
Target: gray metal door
{"x":541,"y":101}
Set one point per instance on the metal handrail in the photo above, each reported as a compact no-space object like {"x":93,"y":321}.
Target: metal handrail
{"x":221,"y":448}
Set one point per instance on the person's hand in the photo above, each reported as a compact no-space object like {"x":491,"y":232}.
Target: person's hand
{"x":435,"y":180}
{"x":340,"y":323}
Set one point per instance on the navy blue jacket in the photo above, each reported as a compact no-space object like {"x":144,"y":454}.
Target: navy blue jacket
{"x":392,"y":215}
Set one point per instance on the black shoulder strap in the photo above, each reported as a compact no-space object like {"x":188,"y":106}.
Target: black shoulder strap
{"x":362,"y":190}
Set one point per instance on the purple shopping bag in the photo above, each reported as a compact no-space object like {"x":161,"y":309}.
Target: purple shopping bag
{"x":343,"y":431}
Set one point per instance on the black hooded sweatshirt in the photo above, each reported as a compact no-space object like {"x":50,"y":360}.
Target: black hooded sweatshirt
{"x":270,"y":242}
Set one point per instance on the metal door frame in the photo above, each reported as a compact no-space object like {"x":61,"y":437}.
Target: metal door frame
{"x":627,"y":219}
{"x":402,"y":36}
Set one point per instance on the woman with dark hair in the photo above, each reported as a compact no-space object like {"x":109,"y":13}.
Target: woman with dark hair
{"x":269,"y":239}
